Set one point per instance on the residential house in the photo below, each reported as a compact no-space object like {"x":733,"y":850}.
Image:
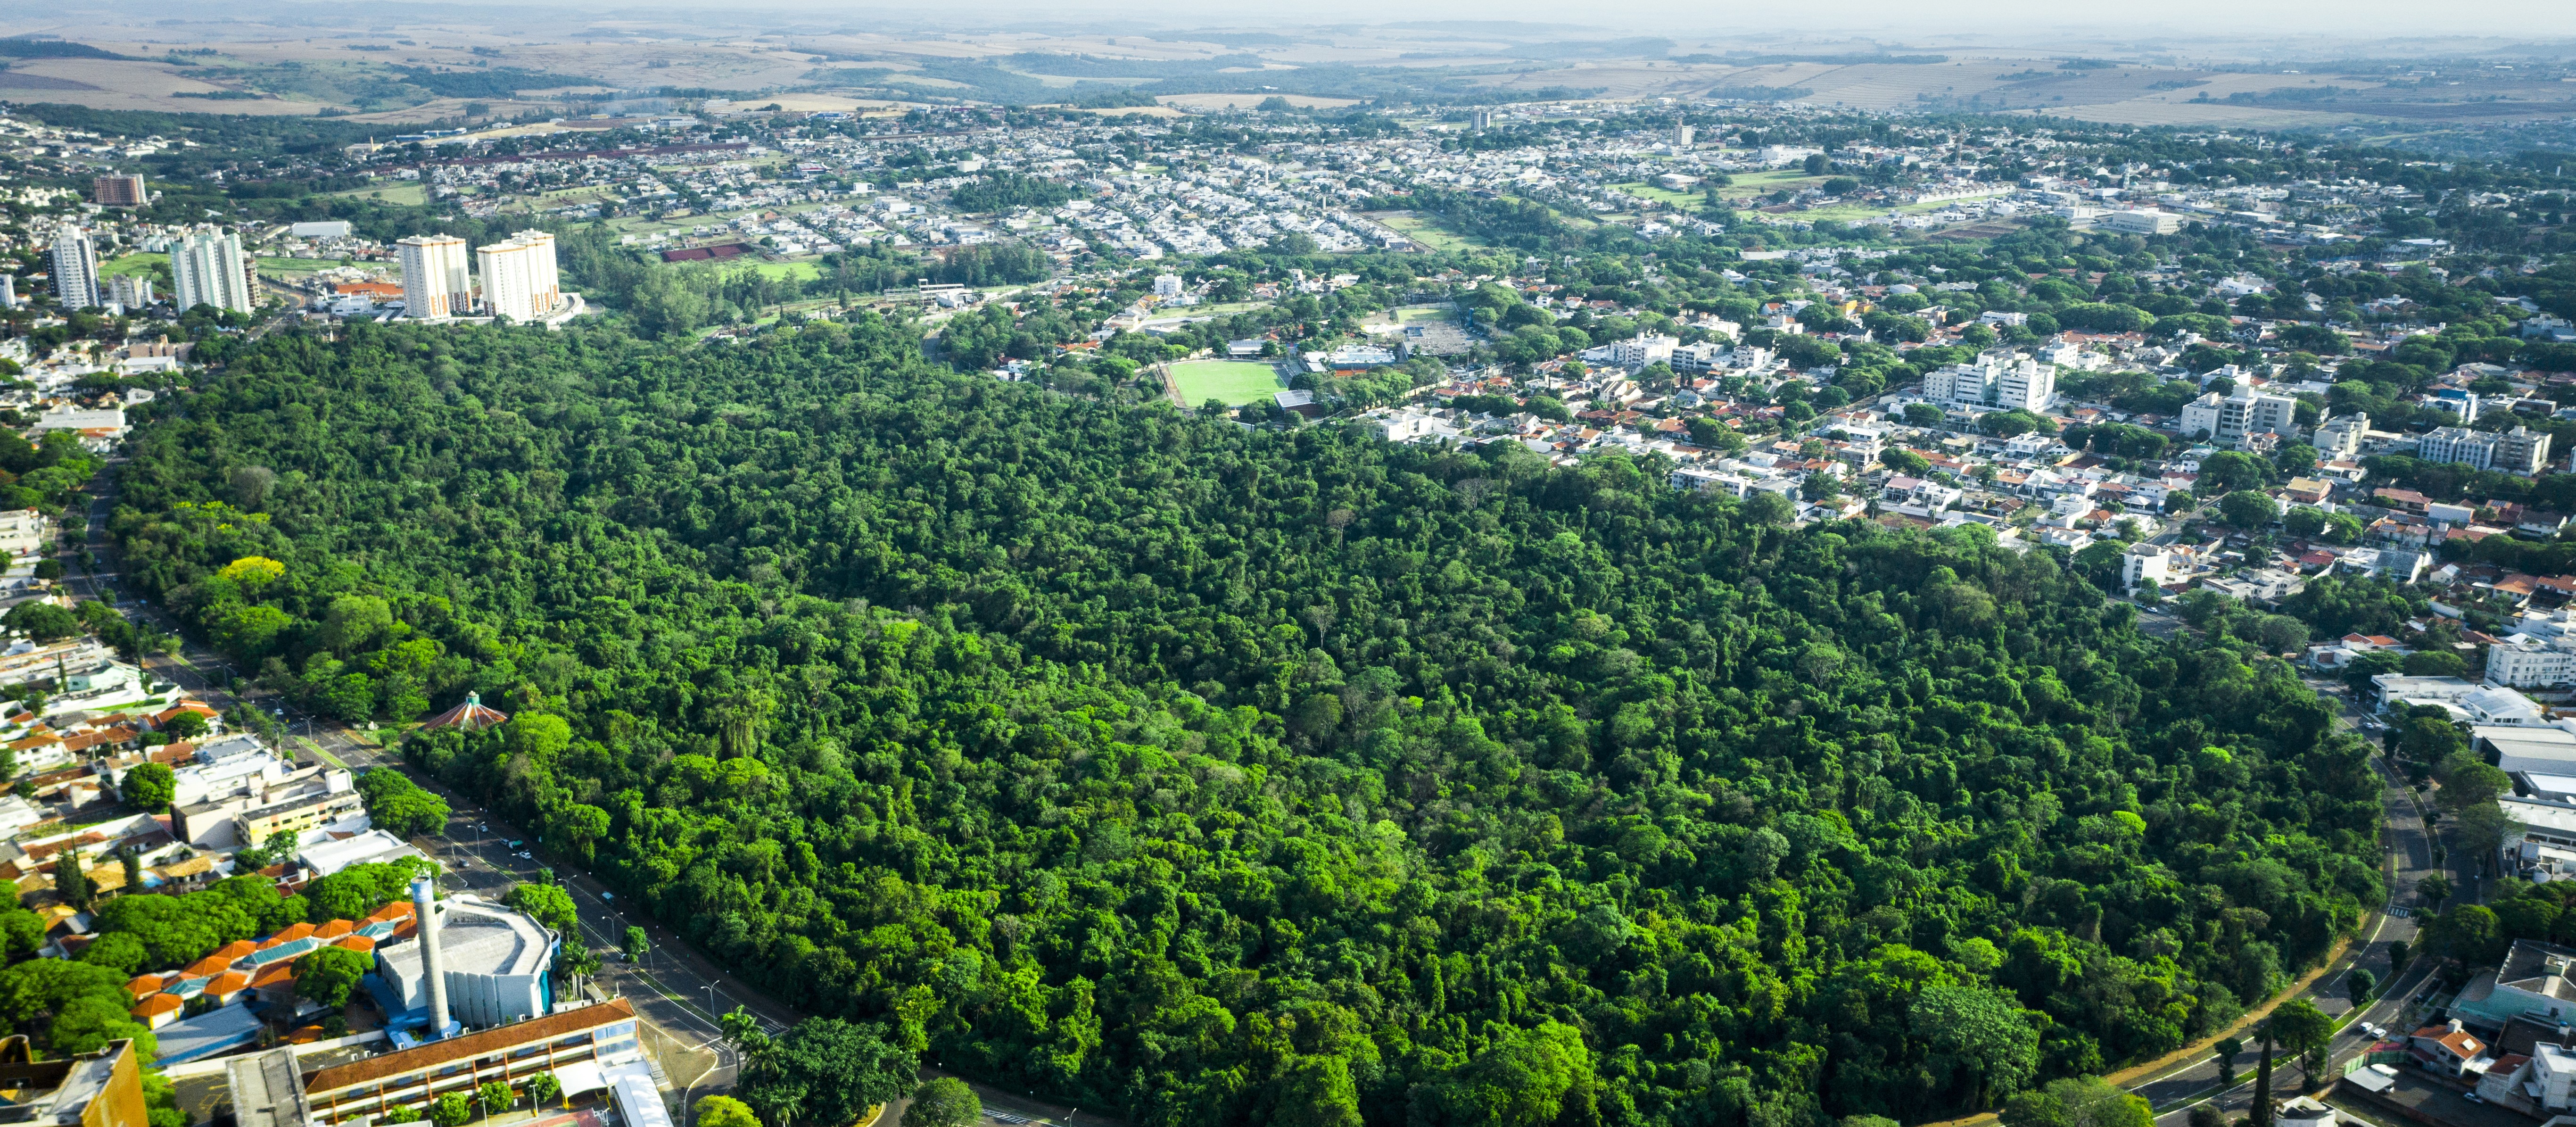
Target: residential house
{"x":2448,"y":1049}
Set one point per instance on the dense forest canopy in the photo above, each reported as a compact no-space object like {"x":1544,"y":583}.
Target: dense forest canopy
{"x":1265,"y":776}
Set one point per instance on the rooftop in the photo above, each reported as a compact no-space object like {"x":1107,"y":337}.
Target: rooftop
{"x":265,"y":1091}
{"x":478,"y":938}
{"x":471,"y":1045}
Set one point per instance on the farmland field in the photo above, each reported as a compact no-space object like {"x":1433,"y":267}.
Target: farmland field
{"x":1234,"y":382}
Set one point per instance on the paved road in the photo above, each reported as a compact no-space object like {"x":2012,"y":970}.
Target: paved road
{"x":2410,"y":858}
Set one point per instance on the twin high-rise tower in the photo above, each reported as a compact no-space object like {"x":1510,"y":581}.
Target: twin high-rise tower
{"x":519,"y":278}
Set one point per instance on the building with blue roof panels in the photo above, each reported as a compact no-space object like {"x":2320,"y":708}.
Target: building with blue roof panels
{"x":216,"y":1031}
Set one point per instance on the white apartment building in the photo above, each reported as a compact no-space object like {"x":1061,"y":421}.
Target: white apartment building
{"x":2522,"y":663}
{"x":1637,"y":352}
{"x":209,"y":269}
{"x":2146,"y":563}
{"x":2519,"y":450}
{"x":76,"y":269}
{"x":2550,"y":1076}
{"x":2339,"y":437}
{"x":1167,"y":285}
{"x":2001,"y":379}
{"x":519,"y":276}
{"x":435,"y":283}
{"x":133,"y":291}
{"x":2244,"y":412}
{"x":2539,"y":654}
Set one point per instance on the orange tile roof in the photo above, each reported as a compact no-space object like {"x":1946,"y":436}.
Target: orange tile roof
{"x":237,"y":949}
{"x":359,"y":943}
{"x":289,"y":935}
{"x":229,"y":982}
{"x":333,"y":929}
{"x":209,"y":967}
{"x":145,"y":986}
{"x":274,"y":974}
{"x":160,"y":1004}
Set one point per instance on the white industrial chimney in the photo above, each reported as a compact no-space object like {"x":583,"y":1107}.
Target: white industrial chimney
{"x":424,"y":903}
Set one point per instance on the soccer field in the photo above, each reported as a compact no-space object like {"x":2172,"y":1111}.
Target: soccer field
{"x":1234,"y":382}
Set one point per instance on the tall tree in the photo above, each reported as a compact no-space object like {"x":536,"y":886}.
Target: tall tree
{"x":2259,"y":1114}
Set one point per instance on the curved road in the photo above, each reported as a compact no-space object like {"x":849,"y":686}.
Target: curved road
{"x":2410,"y":858}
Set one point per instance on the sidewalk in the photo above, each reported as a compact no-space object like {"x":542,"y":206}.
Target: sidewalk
{"x":2200,"y":1050}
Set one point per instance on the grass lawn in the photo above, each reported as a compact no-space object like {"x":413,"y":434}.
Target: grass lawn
{"x":1753,"y":184}
{"x":143,"y":264}
{"x":801,"y":271}
{"x":404,"y":194}
{"x":296,"y":265}
{"x":1235,"y":382}
{"x":1419,"y":314}
{"x":1425,"y":231}
{"x":1645,"y":191}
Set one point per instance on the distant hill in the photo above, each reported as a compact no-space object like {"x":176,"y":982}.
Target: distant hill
{"x":23,"y":48}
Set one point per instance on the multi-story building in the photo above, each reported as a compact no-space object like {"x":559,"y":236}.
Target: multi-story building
{"x":1167,"y":285}
{"x":76,"y":269}
{"x":2537,"y":980}
{"x":209,"y":269}
{"x":519,"y":276}
{"x":2339,"y":437}
{"x":2238,"y":415}
{"x":584,"y":1046}
{"x":117,"y":189}
{"x":435,"y":282}
{"x":245,"y":799}
{"x":2523,"y":663}
{"x":2519,"y":450}
{"x":96,"y":1089}
{"x":133,"y":291}
{"x":1637,"y":352}
{"x":2144,"y":564}
{"x":308,"y":809}
{"x":2002,"y":379}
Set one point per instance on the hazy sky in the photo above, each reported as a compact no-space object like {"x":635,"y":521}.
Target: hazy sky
{"x":2341,"y":19}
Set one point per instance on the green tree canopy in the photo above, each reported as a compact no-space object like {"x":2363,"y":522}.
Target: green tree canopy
{"x":943,"y":1102}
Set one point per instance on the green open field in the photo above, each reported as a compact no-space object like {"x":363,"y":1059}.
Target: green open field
{"x":400,"y":194}
{"x":801,"y":271}
{"x":1233,"y":382}
{"x":296,"y":265}
{"x":143,"y":264}
{"x":1646,"y":191}
{"x":1426,"y":231}
{"x":1420,"y":314}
